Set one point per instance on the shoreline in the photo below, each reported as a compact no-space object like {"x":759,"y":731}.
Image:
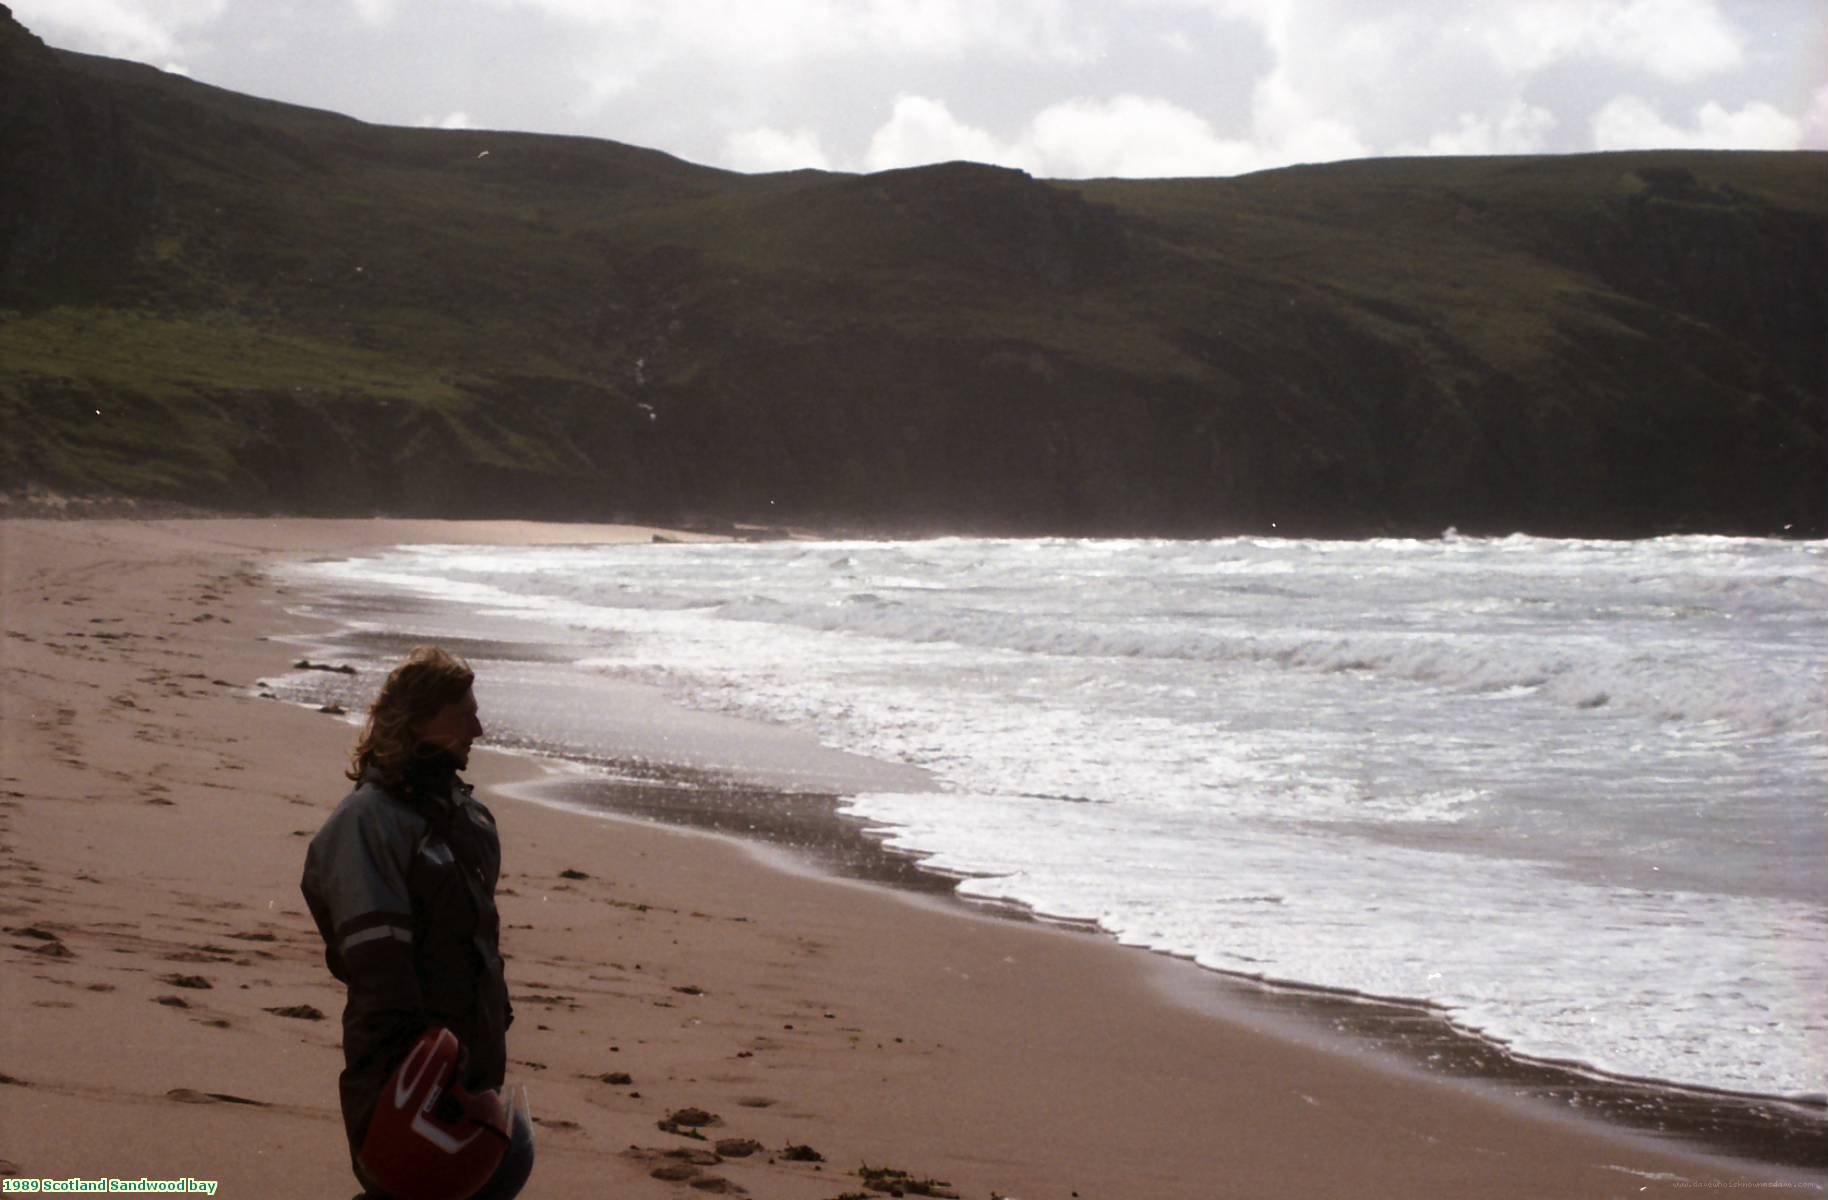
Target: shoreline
{"x":817,"y":837}
{"x":1028,"y":1087}
{"x":810,"y":826}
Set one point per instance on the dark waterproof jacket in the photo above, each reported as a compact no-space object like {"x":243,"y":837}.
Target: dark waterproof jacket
{"x":401,"y":883}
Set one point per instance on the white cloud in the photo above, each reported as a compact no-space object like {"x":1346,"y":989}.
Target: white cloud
{"x":1131,"y":136}
{"x":1063,"y":88}
{"x":923,"y":130}
{"x":1633,"y":123}
{"x":1176,"y":41}
{"x":1815,"y":122}
{"x":138,"y":29}
{"x":1125,"y":136}
{"x":1678,"y":40}
{"x":1337,"y":69}
{"x":1347,"y":78}
{"x":1519,"y":129}
{"x":603,"y":82}
{"x":375,"y":12}
{"x":778,"y":32}
{"x":456,"y":120}
{"x":1054,"y":30}
{"x":767,"y":149}
{"x":1293,"y":125}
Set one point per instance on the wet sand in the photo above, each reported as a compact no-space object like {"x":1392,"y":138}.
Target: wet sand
{"x":813,"y":830}
{"x":169,"y":1014}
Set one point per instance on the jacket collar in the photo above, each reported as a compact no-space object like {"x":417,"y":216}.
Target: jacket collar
{"x":431,"y":780}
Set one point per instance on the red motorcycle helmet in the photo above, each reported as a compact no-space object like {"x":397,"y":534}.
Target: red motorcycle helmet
{"x":430,"y":1139}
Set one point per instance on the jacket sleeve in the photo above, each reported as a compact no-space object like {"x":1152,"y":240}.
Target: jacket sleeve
{"x":355,"y":884}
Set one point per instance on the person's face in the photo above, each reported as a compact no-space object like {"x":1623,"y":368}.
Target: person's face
{"x":452,"y":729}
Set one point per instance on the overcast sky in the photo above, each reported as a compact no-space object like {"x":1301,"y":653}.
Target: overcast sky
{"x":1061,"y":88}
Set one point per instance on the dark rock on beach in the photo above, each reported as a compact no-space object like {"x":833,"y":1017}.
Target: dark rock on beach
{"x":693,"y":1117}
{"x":305,"y":664}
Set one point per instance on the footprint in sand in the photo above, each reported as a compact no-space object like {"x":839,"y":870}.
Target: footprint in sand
{"x":685,"y":1166}
{"x":202,"y":954}
{"x":298,"y":1012}
{"x":191,"y":1096}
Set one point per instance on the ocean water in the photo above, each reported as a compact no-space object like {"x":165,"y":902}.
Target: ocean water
{"x":1572,"y":793}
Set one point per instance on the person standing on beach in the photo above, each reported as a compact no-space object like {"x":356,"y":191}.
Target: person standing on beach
{"x":401,"y":883}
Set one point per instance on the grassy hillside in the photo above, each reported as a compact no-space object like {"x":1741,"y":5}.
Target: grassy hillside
{"x":231,"y":302}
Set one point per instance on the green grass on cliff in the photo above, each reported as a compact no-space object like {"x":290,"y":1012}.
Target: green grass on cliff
{"x":177,"y":353}
{"x":294,"y":253}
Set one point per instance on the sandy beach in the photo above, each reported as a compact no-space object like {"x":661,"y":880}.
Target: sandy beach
{"x":169,"y":1014}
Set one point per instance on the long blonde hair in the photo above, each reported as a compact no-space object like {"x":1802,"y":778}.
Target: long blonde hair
{"x":415,"y":691}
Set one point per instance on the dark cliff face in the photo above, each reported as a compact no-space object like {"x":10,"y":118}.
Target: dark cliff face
{"x":1728,"y":337}
{"x":1742,"y":268}
{"x":242,"y":304}
{"x":77,"y":194}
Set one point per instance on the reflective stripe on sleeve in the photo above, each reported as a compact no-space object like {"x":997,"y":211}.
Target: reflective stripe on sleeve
{"x":397,"y":932}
